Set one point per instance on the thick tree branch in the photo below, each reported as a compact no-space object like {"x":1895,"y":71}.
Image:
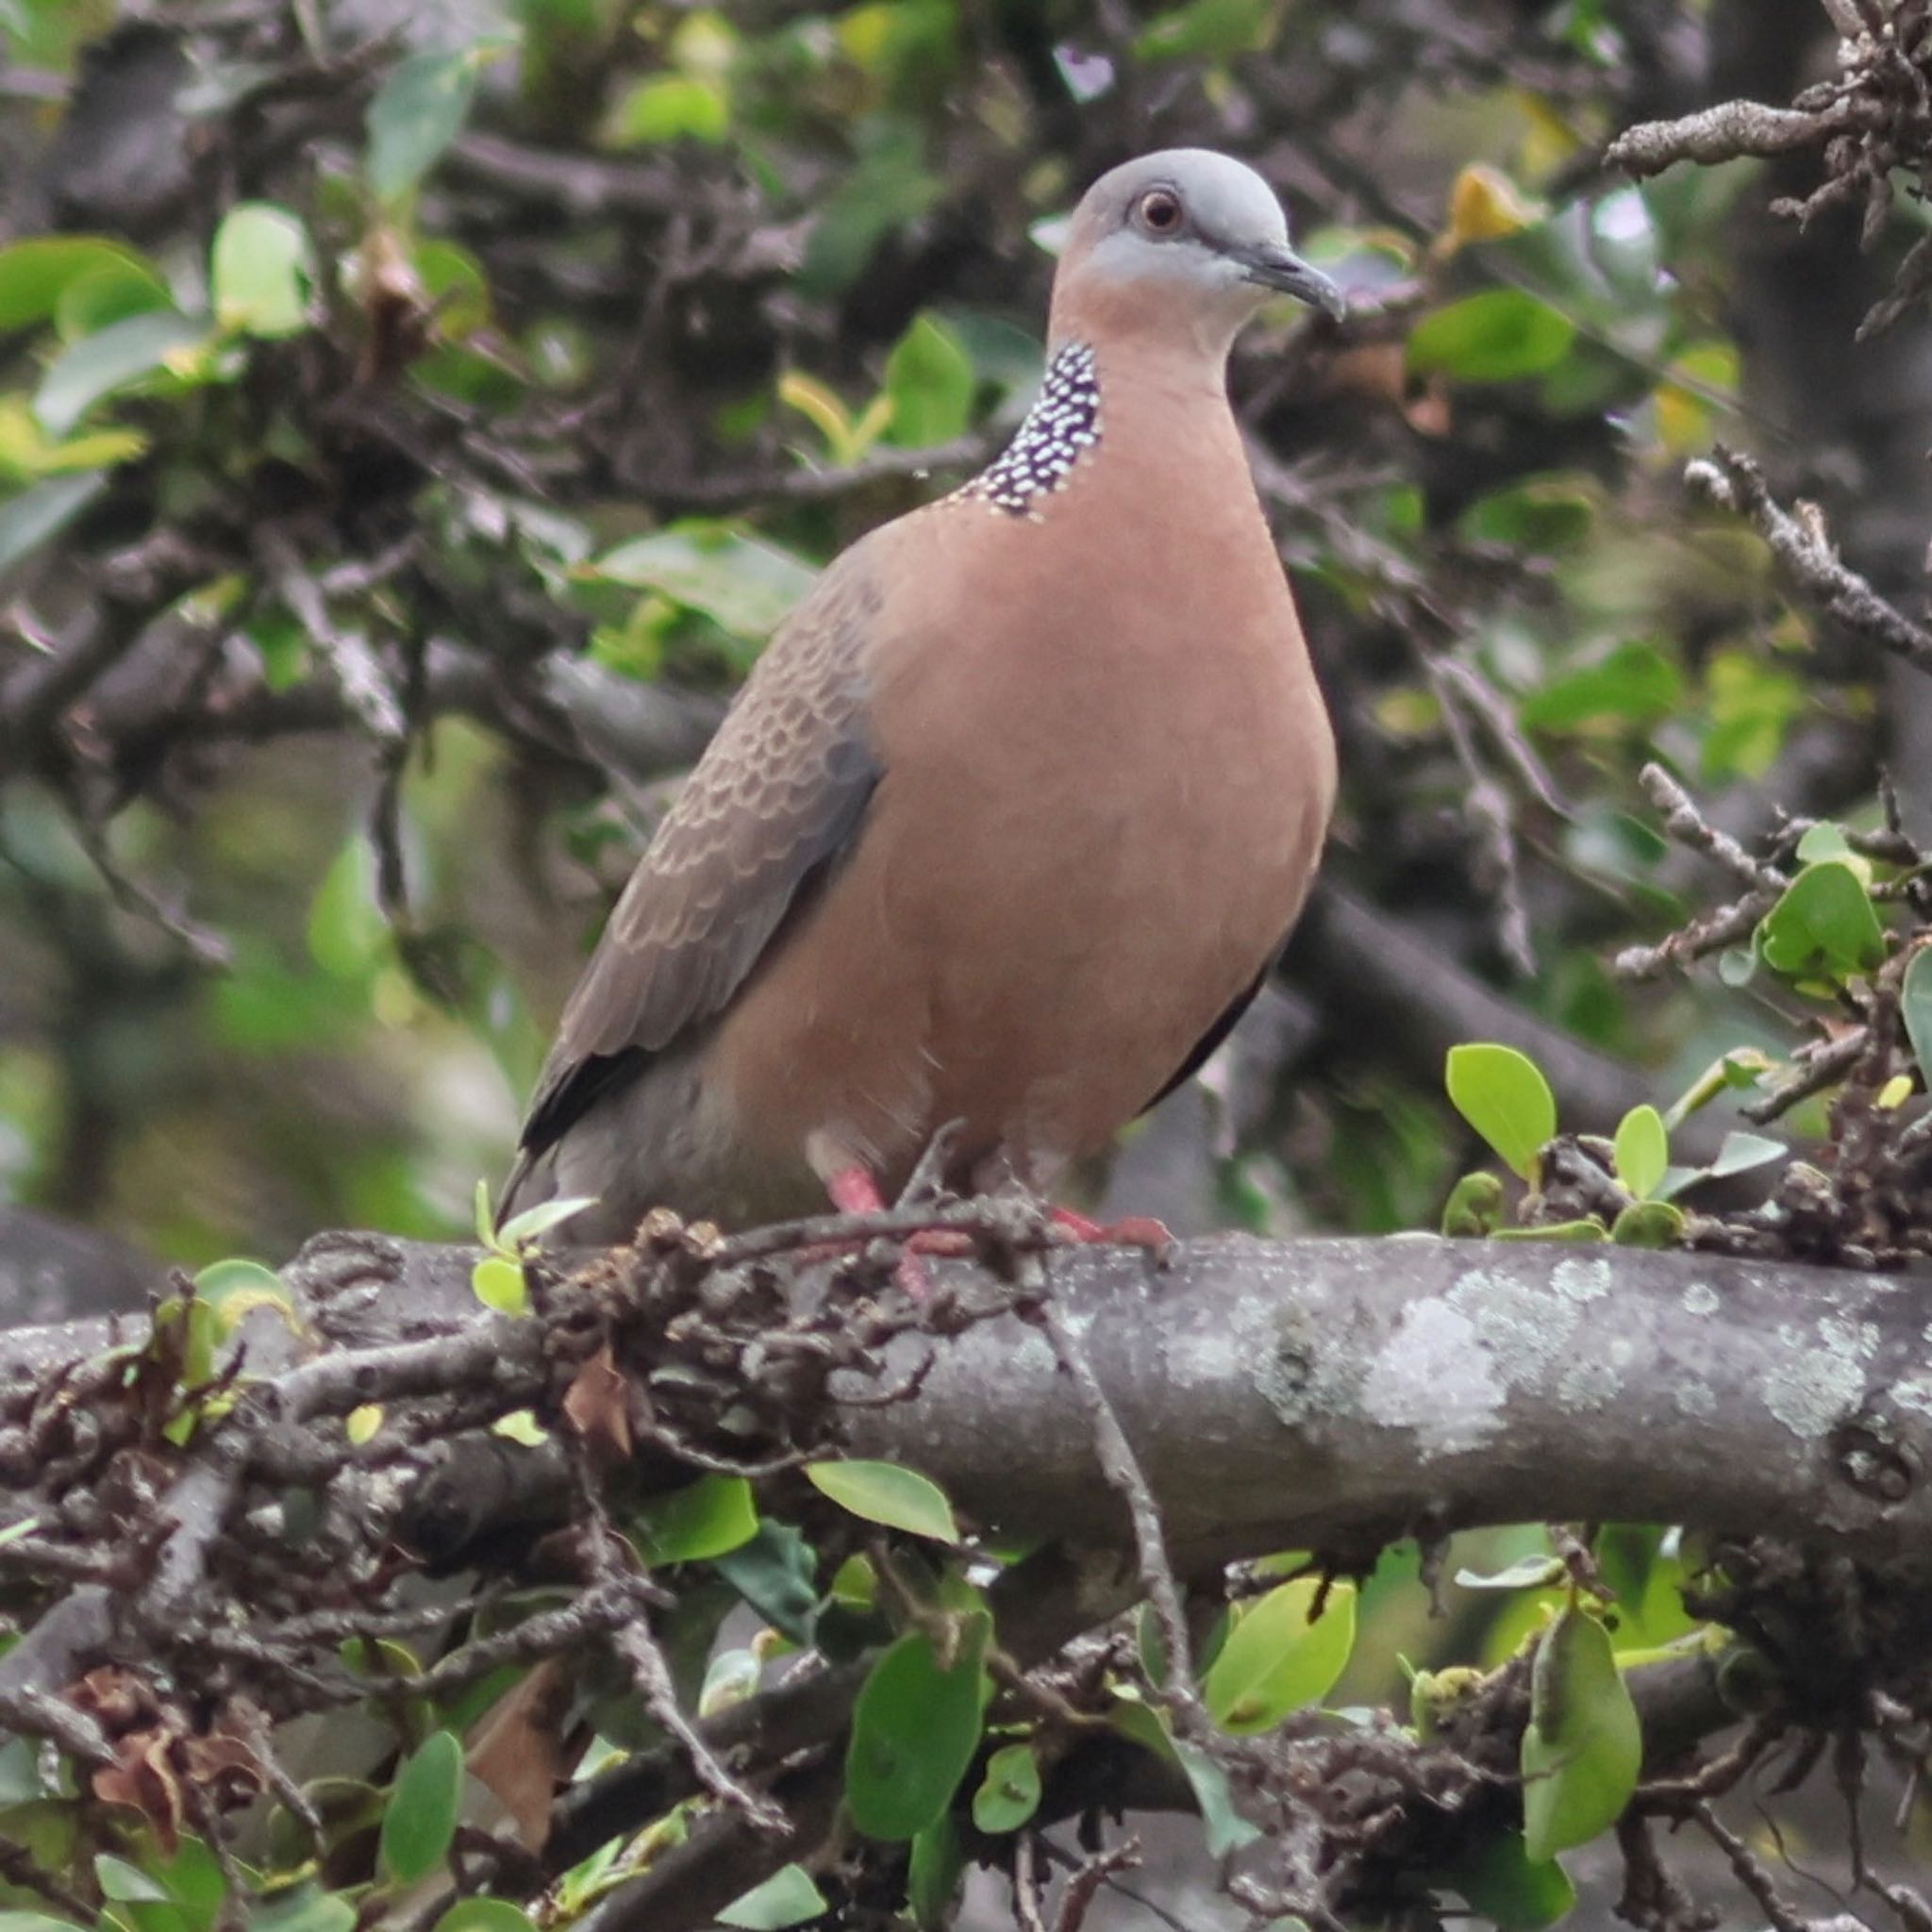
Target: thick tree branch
{"x":1323,"y":1392}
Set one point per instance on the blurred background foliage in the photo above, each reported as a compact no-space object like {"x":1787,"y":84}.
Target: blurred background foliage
{"x":412,"y":420}
{"x":418,"y":416}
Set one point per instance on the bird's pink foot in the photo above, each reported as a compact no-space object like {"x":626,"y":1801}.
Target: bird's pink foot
{"x":853,"y":1191}
{"x":1132,"y":1231}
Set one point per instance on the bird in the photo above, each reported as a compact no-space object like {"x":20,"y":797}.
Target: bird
{"x":1015,"y":811}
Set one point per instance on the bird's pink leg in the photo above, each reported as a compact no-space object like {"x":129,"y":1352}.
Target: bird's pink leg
{"x":1135,"y":1231}
{"x":853,"y":1191}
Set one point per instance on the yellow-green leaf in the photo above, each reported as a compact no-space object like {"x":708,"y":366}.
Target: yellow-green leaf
{"x":498,"y":1283}
{"x":1276,"y":1660}
{"x":884,"y":1492}
{"x":1503,"y":1096}
{"x":1642,"y":1150}
{"x":261,"y":270}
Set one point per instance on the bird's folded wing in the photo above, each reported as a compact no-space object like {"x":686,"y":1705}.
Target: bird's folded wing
{"x":770,"y":807}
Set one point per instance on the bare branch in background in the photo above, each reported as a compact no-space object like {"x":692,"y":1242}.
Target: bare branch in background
{"x":1804,"y":550}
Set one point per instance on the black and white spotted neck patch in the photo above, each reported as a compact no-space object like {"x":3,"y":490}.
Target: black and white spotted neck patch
{"x":1061,"y":428}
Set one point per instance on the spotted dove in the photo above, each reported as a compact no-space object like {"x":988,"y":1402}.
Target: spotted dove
{"x":1015,"y":811}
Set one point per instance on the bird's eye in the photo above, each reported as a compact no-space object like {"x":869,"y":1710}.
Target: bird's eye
{"x":1160,"y":212}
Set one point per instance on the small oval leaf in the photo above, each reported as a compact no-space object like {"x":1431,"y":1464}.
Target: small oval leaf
{"x":1642,"y":1150}
{"x":261,"y":270}
{"x":422,"y":1817}
{"x":708,"y":1518}
{"x":788,"y":1897}
{"x":1825,"y":924}
{"x":485,"y":1915}
{"x":1274,"y":1660}
{"x":498,"y":1283}
{"x":884,"y":1492}
{"x":1008,"y":1794}
{"x":1503,"y":1096}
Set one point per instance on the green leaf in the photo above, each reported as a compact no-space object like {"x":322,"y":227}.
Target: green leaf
{"x":933,"y":1874}
{"x":1740,"y":1151}
{"x":499,"y":1284}
{"x":422,"y":1817}
{"x":884,"y":1492}
{"x":527,"y":1230}
{"x":1582,"y":1746}
{"x":1589,"y":1229}
{"x":775,"y":1573}
{"x":236,"y":1288}
{"x":671,"y":107}
{"x":788,"y":1897}
{"x":34,"y":274}
{"x":97,"y":365}
{"x":1224,"y":1828}
{"x":931,"y":380}
{"x":1527,"y":1573}
{"x":1209,"y":30}
{"x":125,"y":1883}
{"x":110,"y":291}
{"x":1648,"y":1225}
{"x":738,"y":581}
{"x":914,"y":1729}
{"x":1826,"y":840}
{"x":28,"y":520}
{"x":890,"y":186}
{"x":1642,"y":1150}
{"x":1498,"y":336}
{"x":1635,"y":683}
{"x":1751,"y":704}
{"x":1499,"y":1884}
{"x":492,"y":1915}
{"x":1274,"y":1660}
{"x":1915,"y":1008}
{"x":417,"y":113}
{"x":261,"y":270}
{"x":1503,"y":1096}
{"x":1474,"y":1206}
{"x":710,"y":1517}
{"x":304,"y":1908}
{"x":1008,"y":1794}
{"x":42,"y":1922}
{"x":1823,"y":927}
{"x":1544,"y":514}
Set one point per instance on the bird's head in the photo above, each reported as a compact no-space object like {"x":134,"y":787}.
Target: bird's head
{"x":1185,"y":244}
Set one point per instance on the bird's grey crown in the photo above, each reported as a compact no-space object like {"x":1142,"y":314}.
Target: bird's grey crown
{"x":1228,"y":204}
{"x":1061,"y":428}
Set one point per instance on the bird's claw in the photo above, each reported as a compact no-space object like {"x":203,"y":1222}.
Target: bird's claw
{"x":1132,"y":1230}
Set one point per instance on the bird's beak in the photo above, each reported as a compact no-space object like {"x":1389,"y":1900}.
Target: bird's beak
{"x":1280,"y":268}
